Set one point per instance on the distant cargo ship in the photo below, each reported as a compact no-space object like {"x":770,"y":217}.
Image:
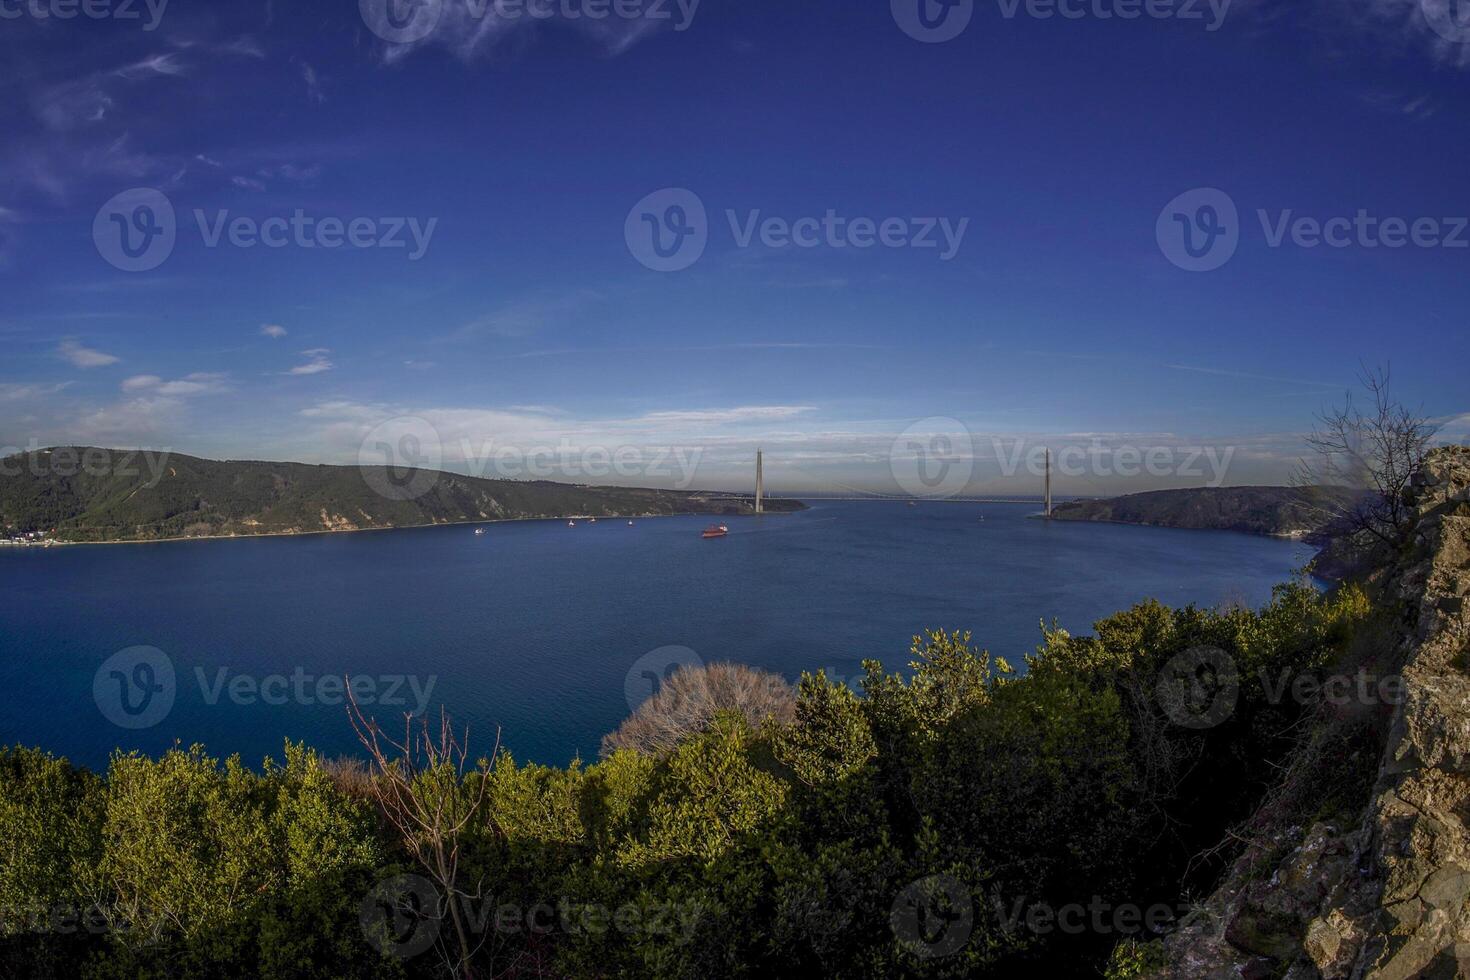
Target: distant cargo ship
{"x":716,"y":531}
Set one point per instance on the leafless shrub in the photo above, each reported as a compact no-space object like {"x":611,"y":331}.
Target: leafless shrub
{"x":689,"y":700}
{"x":421,"y":788}
{"x":350,"y":776}
{"x":1375,"y":450}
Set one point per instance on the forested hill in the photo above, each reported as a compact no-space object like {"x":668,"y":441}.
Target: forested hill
{"x":90,"y":494}
{"x":1259,"y":510}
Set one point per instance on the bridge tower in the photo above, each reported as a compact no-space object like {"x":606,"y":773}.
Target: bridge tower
{"x":1048,"y":483}
{"x":760,"y":485}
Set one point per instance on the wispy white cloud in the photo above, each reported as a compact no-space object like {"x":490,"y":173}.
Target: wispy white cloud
{"x":1433,"y":29}
{"x":84,"y":357}
{"x":478,"y":31}
{"x":1249,"y":376}
{"x":317,"y":362}
{"x":524,"y":317}
{"x":244,"y":45}
{"x":314,"y":91}
{"x":274,"y":330}
{"x":16,"y":392}
{"x":725,"y":416}
{"x":290,"y":171}
{"x":198,"y":383}
{"x":128,"y":422}
{"x":805,"y":449}
{"x":88,"y":99}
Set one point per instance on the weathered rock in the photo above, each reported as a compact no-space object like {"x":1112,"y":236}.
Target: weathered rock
{"x":1389,"y":900}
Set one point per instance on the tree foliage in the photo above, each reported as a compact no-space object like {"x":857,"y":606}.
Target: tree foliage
{"x":906,"y":829}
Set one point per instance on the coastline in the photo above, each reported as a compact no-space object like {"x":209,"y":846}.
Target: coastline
{"x":1298,"y":534}
{"x":1294,"y":535}
{"x":57,"y":542}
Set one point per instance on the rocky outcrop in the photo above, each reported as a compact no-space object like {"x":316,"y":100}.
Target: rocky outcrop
{"x":1387,"y":898}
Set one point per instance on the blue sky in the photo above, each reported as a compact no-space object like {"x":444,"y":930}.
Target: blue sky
{"x":521,"y":315}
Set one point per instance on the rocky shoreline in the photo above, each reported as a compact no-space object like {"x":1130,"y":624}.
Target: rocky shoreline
{"x":1384,"y":895}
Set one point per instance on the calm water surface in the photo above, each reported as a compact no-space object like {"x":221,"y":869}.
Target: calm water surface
{"x":535,"y":626}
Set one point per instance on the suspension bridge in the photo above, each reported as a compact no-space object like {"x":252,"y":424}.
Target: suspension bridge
{"x":841,"y":491}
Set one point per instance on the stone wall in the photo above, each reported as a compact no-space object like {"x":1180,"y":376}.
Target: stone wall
{"x":1388,"y":898}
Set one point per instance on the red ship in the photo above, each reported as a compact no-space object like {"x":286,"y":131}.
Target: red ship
{"x":716,"y":531}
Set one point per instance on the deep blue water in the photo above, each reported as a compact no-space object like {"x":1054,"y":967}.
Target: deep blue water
{"x":535,"y":626}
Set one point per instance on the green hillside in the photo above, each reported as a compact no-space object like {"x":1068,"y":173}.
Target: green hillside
{"x":120,"y":495}
{"x":1259,"y":510}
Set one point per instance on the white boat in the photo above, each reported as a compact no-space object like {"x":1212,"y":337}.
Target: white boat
{"x":571,"y":523}
{"x":479,"y":530}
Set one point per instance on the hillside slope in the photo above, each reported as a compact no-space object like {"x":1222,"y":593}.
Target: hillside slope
{"x":1257,"y":510}
{"x":124,"y":496}
{"x":1381,"y":892}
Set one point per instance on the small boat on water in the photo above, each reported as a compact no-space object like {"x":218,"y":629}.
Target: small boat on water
{"x":592,"y":520}
{"x":571,"y":523}
{"x":630,"y":523}
{"x":716,"y":531}
{"x":479,"y":530}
